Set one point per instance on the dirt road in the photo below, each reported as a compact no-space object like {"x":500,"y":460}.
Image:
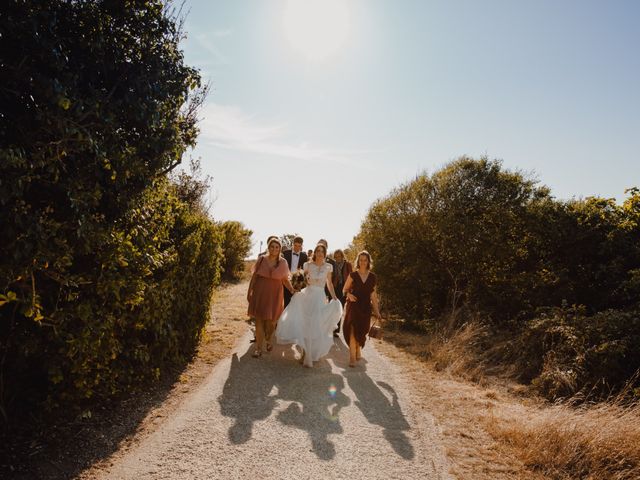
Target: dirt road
{"x":272,"y":418}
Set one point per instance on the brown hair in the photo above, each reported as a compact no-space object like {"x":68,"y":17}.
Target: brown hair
{"x":324,"y":249}
{"x":369,"y":262}
{"x":275,"y":240}
{"x":338,"y":252}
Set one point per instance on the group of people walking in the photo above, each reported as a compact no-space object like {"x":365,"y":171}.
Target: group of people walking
{"x":335,"y":293}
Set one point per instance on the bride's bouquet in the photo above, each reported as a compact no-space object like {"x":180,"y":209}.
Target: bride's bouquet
{"x":298,"y":280}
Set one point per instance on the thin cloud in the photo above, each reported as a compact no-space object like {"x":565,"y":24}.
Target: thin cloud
{"x":230,"y":128}
{"x":222,"y":33}
{"x":206,"y":49}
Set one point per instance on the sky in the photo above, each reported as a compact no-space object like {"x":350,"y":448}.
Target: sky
{"x":318,"y":108}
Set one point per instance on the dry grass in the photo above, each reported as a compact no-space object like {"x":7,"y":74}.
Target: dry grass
{"x":446,"y":351}
{"x":519,"y":435}
{"x":596,"y":442}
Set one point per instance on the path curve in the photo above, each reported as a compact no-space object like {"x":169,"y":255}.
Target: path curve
{"x":272,"y":418}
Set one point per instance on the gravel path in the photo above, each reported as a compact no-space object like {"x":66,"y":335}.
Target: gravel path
{"x":271,"y":418}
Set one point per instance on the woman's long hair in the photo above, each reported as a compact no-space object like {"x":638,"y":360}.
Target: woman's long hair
{"x":275,"y":240}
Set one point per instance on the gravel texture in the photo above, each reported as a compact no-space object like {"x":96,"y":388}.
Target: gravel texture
{"x":272,"y":418}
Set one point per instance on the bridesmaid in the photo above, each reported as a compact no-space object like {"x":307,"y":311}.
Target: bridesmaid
{"x":266,"y":293}
{"x":360,"y":292}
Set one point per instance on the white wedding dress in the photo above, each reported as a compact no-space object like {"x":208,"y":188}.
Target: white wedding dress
{"x":309,"y":320}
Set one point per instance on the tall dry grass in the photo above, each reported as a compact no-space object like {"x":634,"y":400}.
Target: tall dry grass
{"x":451,"y":350}
{"x":562,"y":441}
{"x":600,"y":441}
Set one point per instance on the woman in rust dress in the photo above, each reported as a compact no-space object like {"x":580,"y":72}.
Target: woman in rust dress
{"x":362,"y":300}
{"x":266,"y":294}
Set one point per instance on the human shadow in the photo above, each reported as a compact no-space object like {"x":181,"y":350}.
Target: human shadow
{"x":312,"y":398}
{"x":378,"y":409}
{"x":246,"y":395}
{"x":316,"y":398}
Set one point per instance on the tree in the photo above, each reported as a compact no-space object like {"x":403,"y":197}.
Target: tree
{"x":97,"y":105}
{"x":236,"y":246}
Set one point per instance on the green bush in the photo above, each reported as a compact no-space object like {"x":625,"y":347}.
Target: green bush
{"x":564,"y":351}
{"x":236,"y":245}
{"x":106,"y":271}
{"x":474,"y":239}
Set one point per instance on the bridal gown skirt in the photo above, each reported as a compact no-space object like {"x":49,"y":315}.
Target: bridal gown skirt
{"x":309,"y":322}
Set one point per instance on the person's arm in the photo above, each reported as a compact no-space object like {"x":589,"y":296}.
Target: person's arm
{"x":253,"y":278}
{"x":347,"y":290}
{"x":375,"y":304}
{"x":287,"y":284}
{"x":329,"y":283}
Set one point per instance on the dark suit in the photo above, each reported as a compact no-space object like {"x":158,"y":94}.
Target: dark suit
{"x":287,"y":256}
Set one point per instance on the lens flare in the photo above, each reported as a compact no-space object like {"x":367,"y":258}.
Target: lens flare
{"x":332,"y":391}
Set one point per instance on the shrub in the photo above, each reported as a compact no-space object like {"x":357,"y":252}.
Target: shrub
{"x":564,"y":351}
{"x":236,"y":244}
{"x":474,"y":240}
{"x":106,"y":273}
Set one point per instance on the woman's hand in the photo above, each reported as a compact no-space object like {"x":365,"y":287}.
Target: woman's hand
{"x":351,"y":297}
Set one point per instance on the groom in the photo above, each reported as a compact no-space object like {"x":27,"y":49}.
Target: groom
{"x":295,"y":258}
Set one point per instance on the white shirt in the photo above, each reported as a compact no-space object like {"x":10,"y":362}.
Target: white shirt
{"x":295,"y":259}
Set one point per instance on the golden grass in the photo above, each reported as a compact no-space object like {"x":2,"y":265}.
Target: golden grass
{"x":596,"y":442}
{"x":448,"y":351}
{"x":532,"y":438}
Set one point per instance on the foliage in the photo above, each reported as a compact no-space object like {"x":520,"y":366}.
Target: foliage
{"x":236,"y":245}
{"x":563,"y":351}
{"x":475,"y":238}
{"x":106,"y":272}
{"x":287,"y":240}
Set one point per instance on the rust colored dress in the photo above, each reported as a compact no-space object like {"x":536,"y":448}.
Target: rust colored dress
{"x":358,"y":314}
{"x":267,"y":301}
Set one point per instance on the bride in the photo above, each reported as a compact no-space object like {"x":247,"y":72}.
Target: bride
{"x":309,"y":321}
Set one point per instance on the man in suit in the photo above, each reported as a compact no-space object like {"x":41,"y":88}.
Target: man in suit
{"x":295,"y":260}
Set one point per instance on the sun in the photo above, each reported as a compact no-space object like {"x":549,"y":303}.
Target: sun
{"x":316,"y":28}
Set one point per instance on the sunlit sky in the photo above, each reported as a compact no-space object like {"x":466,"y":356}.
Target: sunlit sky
{"x":318,"y":108}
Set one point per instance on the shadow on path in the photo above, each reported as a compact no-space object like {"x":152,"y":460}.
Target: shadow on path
{"x":254,"y":388}
{"x":311,"y":398}
{"x":378,"y":409}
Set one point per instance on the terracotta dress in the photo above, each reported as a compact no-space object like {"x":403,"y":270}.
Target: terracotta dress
{"x":358,"y":314}
{"x":267,"y":301}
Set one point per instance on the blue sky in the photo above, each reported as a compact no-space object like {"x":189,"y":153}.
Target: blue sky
{"x":301,"y":139}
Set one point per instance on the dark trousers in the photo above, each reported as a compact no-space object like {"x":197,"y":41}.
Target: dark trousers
{"x":342,"y":298}
{"x":287,"y":297}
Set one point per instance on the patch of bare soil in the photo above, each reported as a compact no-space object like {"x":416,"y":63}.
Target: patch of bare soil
{"x":63,"y":451}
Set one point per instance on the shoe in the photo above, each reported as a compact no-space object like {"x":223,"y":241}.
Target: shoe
{"x":269,"y":347}
{"x":256,"y":353}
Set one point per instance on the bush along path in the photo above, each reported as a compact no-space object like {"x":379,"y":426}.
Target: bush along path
{"x":272,"y":418}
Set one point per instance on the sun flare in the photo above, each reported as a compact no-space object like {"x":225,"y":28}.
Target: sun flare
{"x":316,"y":28}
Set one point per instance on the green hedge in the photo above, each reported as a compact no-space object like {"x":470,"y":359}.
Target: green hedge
{"x":106,"y":269}
{"x":475,"y":239}
{"x":236,"y":246}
